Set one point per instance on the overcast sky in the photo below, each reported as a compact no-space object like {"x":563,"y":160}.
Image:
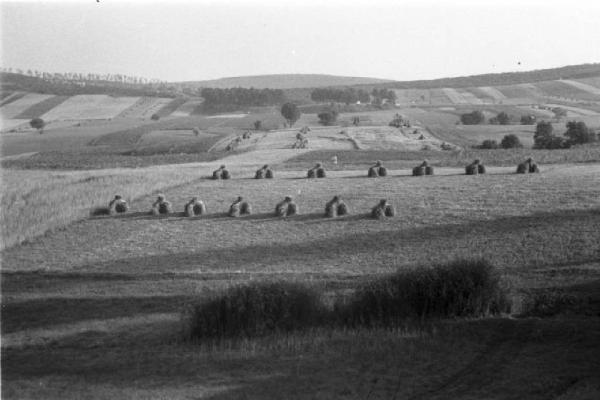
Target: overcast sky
{"x":196,"y":40}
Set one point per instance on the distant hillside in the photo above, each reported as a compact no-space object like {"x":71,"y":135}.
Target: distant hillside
{"x":505,"y":78}
{"x":284,"y":81}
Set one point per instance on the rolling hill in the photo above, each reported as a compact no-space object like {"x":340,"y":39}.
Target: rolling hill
{"x":285,"y":81}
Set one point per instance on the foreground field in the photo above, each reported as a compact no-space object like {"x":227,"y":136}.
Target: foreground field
{"x":93,"y":310}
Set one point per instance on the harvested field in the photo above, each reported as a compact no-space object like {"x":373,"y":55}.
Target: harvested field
{"x":16,"y":107}
{"x":492,"y":92}
{"x":42,"y":107}
{"x":583,"y":86}
{"x":145,"y":107}
{"x":566,"y":91}
{"x":86,"y":107}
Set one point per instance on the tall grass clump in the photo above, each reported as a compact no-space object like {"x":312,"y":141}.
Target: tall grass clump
{"x":462,"y":288}
{"x":256,"y":309}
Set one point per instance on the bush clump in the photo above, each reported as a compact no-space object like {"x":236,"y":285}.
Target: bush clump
{"x":463,"y":288}
{"x":256,"y":309}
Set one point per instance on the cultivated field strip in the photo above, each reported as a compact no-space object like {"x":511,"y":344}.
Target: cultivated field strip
{"x":13,"y":109}
{"x":492,"y":92}
{"x":144,"y":107}
{"x":455,"y":96}
{"x":90,"y":107}
{"x":42,"y":107}
{"x":501,"y":215}
{"x":583,"y":86}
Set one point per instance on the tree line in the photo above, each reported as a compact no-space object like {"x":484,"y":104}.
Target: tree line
{"x":347,"y":95}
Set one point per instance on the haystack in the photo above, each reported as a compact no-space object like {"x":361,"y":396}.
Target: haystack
{"x":221,"y":173}
{"x":161,"y":206}
{"x":286,"y":208}
{"x":239,"y":207}
{"x":475,"y":168}
{"x":527,"y":167}
{"x":117,"y":205}
{"x":383,"y":209}
{"x":335,"y":207}
{"x":317,"y":171}
{"x":377,"y":170}
{"x":194,"y":208}
{"x":423,"y":169}
{"x":264,"y":172}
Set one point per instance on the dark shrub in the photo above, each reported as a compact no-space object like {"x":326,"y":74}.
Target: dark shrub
{"x":489,"y":144}
{"x":511,"y":141}
{"x":256,"y":309}
{"x":462,"y":288}
{"x":528,"y":119}
{"x":155,"y":117}
{"x":473,"y":118}
{"x":328,"y":117}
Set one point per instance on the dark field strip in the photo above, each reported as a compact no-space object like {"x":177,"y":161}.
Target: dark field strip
{"x":168,"y":108}
{"x":42,"y":107}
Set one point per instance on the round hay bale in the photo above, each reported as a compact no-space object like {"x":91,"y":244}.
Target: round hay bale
{"x":522,"y":168}
{"x":121,"y":207}
{"x":342,"y":209}
{"x":533,"y":168}
{"x":382,"y":171}
{"x":311,"y":173}
{"x":292,"y":209}
{"x":373,"y":173}
{"x":225,"y":174}
{"x":245,"y":208}
{"x":389,"y":211}
{"x":321,"y":173}
{"x":418,"y":171}
{"x":471,"y":169}
{"x":428,"y":170}
{"x":216,"y":174}
{"x":481,"y":168}
{"x":259,"y":174}
{"x":269,"y":174}
{"x":235,"y":210}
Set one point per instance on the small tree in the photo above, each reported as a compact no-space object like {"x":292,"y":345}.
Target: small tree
{"x":472,"y":118}
{"x":39,"y":124}
{"x":503,"y":118}
{"x":511,"y":142}
{"x":559,"y":113}
{"x":579,"y":133}
{"x":257,"y":125}
{"x":155,"y":117}
{"x":291,"y":113}
{"x":544,"y":139}
{"x":328,"y":117}
{"x":196,"y":131}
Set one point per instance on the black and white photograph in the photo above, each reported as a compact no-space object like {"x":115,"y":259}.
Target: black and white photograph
{"x":261,"y":199}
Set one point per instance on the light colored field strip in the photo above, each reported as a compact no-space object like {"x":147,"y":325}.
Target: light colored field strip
{"x":41,"y":336}
{"x":15,"y":108}
{"x":470,"y":97}
{"x":17,"y":156}
{"x":454,"y":96}
{"x":7,"y":124}
{"x":583,"y":86}
{"x":493,"y":92}
{"x":90,"y":107}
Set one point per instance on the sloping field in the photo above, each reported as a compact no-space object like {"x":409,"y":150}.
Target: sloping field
{"x":8,"y":124}
{"x":186,"y":109}
{"x":144,"y":107}
{"x":14,"y":108}
{"x":492,"y":92}
{"x":525,"y":93}
{"x":11,"y":97}
{"x":84,"y":107}
{"x":42,"y":107}
{"x":455,"y":96}
{"x":470,"y":97}
{"x":565,"y":91}
{"x":583,"y":86}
